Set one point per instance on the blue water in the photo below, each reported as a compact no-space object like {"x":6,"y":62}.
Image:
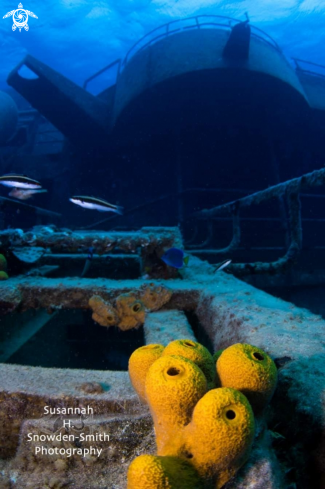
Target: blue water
{"x":78,"y":37}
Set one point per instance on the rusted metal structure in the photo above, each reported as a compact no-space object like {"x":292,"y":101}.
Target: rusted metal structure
{"x":169,"y":63}
{"x":290,"y":190}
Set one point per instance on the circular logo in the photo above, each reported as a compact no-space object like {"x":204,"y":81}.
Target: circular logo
{"x":20,"y":18}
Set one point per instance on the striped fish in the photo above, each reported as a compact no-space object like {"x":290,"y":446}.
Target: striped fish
{"x":95,"y":204}
{"x":20,"y":181}
{"x":222,"y":265}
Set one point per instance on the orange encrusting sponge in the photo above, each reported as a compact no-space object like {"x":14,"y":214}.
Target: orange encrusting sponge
{"x":139,"y":363}
{"x":250,"y":370}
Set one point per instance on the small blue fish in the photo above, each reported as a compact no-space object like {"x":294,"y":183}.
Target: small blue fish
{"x":175,"y":257}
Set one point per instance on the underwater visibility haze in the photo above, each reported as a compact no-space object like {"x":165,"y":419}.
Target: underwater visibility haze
{"x":162,"y":244}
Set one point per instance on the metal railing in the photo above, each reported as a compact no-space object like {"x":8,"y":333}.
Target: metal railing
{"x":291,"y":190}
{"x":299,"y":67}
{"x":100,"y":72}
{"x":174,"y":26}
{"x":199,"y":21}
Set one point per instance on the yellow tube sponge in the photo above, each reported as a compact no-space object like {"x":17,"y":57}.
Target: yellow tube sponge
{"x":249,"y":370}
{"x":139,"y":363}
{"x":198,"y":354}
{"x":218,"y":440}
{"x":173,"y":386}
{"x":150,"y":472}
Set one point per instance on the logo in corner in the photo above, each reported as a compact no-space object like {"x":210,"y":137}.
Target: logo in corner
{"x":20,"y":18}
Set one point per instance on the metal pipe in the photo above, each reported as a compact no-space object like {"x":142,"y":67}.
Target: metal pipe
{"x":295,"y":233}
{"x":241,"y":248}
{"x":307,"y":62}
{"x":5,"y":202}
{"x":313,"y":179}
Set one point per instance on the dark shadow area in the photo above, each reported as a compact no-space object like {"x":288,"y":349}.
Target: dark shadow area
{"x":71,"y":339}
{"x":116,"y":267}
{"x":199,"y":332}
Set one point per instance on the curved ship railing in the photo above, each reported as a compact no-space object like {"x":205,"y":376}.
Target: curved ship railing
{"x":197,"y":22}
{"x":174,"y":26}
{"x":314,"y":69}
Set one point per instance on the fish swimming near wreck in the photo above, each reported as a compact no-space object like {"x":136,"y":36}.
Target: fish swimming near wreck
{"x":222,"y":265}
{"x":24,"y":194}
{"x":96,"y":204}
{"x":174,"y":257}
{"x":20,"y":181}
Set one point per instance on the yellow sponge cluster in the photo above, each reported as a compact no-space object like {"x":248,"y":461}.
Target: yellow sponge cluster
{"x":198,"y":354}
{"x":139,"y":364}
{"x":220,"y":435}
{"x":203,"y":436}
{"x":250,"y":370}
{"x":173,"y":386}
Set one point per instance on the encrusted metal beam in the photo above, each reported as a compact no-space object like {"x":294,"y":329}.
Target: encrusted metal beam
{"x":290,"y":190}
{"x":66,"y":241}
{"x":25,"y":293}
{"x":295,"y":242}
{"x":32,"y":209}
{"x":313,"y":179}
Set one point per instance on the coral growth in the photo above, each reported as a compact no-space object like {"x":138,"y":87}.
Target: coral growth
{"x":3,"y":275}
{"x":249,"y":370}
{"x":103,"y":313}
{"x":129,"y":310}
{"x":155,"y":296}
{"x":211,"y":432}
{"x":139,"y":363}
